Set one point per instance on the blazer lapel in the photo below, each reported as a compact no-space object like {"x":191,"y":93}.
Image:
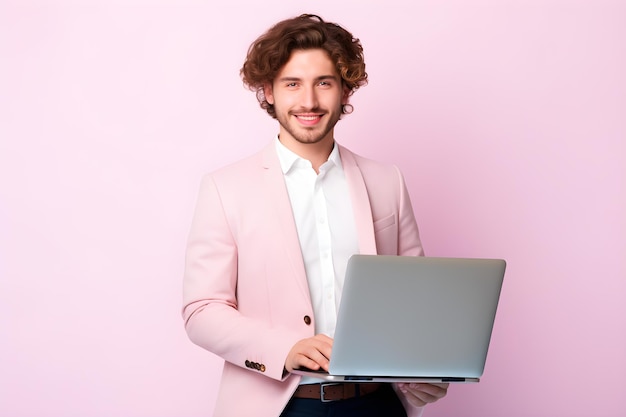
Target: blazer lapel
{"x":360,"y":203}
{"x":279,"y":201}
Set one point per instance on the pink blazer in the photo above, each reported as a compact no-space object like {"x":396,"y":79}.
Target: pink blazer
{"x":245,"y":292}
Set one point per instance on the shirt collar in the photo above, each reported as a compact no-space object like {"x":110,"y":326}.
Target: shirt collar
{"x":288,"y":159}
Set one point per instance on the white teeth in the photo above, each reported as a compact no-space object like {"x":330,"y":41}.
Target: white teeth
{"x":308,"y":117}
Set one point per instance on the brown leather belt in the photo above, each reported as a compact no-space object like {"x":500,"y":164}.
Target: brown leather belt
{"x":326,"y":392}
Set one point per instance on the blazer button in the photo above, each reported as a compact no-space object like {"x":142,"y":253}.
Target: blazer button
{"x":307,"y":320}
{"x":262,"y":368}
{"x":248,"y":364}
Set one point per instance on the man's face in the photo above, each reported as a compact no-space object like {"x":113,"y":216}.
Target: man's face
{"x":307,"y":95}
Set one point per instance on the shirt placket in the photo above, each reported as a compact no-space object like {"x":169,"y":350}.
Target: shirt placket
{"x":325,"y":256}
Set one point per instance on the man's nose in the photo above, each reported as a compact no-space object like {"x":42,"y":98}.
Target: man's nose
{"x":309,"y":98}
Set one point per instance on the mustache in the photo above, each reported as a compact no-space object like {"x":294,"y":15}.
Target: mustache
{"x":316,"y":109}
{"x":308,"y":110}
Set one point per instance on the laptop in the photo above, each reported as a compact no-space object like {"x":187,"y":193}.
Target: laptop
{"x":414,"y":319}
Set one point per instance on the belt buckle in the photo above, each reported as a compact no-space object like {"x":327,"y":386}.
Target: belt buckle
{"x":322,"y":395}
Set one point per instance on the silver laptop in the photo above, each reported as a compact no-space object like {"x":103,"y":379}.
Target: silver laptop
{"x":414,"y":319}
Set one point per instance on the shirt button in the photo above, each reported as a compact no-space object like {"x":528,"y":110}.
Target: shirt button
{"x":307,"y":320}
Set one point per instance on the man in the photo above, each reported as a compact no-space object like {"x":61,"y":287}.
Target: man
{"x":272,"y":234}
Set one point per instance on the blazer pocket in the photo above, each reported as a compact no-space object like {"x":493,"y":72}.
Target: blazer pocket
{"x":384,"y":223}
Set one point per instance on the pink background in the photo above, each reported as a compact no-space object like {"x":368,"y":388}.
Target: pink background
{"x":507,"y":117}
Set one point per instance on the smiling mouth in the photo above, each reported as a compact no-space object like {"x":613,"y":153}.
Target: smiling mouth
{"x":308,"y":119}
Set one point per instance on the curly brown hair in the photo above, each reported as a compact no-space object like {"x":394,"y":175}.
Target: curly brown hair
{"x":271,"y":51}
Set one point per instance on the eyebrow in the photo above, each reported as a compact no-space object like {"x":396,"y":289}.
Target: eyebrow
{"x":320,"y":78}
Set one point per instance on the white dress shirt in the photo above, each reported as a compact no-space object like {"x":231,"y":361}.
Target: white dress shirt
{"x":324,"y":219}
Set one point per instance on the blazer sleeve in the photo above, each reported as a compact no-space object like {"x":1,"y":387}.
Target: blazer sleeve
{"x":210,"y":309}
{"x":409,"y":242}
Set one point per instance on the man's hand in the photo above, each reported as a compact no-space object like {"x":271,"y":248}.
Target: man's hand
{"x":421,"y":394}
{"x":312,"y":353}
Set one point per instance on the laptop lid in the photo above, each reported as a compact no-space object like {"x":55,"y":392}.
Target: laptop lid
{"x":406,"y":318}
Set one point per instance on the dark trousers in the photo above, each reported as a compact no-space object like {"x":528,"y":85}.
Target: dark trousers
{"x":382,"y":403}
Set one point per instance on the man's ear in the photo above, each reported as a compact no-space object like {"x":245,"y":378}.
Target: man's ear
{"x":268,"y":93}
{"x":345,"y":98}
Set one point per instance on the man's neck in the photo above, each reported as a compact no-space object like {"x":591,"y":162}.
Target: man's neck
{"x":316,"y":153}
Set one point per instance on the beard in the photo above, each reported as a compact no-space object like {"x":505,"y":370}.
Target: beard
{"x":309,"y":134}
